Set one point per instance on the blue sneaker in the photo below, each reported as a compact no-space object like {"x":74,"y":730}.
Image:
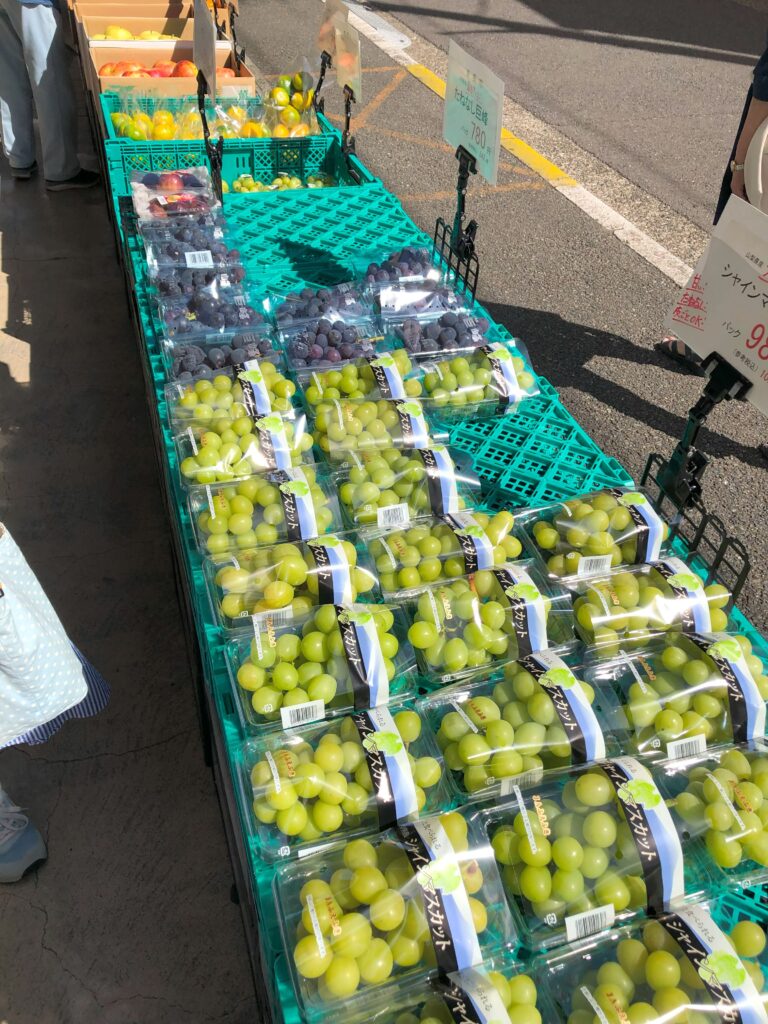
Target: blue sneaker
{"x":21,"y":845}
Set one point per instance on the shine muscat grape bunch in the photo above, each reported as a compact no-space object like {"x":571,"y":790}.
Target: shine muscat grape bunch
{"x":199,"y":362}
{"x":204,"y":402}
{"x":324,"y":785}
{"x":595,"y":525}
{"x":649,"y":979}
{"x":466,"y":626}
{"x":293,"y":665}
{"x":385,"y":479}
{"x":371,"y":915}
{"x":357,"y":380}
{"x":469,"y":381}
{"x":627,"y":608}
{"x":222,"y":454}
{"x":727,"y":797}
{"x":589,"y":860}
{"x":252,"y":514}
{"x":363,"y":426}
{"x":285,"y":576}
{"x":517,"y":992}
{"x":430,"y":551}
{"x":516,"y":729}
{"x":682,"y":693}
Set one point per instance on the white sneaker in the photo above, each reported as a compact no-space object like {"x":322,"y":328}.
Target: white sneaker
{"x":21,"y":845}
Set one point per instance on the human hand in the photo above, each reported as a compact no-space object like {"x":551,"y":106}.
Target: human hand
{"x":737,"y":185}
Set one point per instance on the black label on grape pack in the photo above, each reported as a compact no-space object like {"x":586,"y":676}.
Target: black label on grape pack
{"x":737,"y":702}
{"x":418,"y":854}
{"x":362,"y":651}
{"x":290,"y":507}
{"x":267,"y":447}
{"x":642,"y":530}
{"x":563,"y":707}
{"x":468,"y":546}
{"x":334,"y":581}
{"x":460,"y":1006}
{"x":526,"y":608}
{"x":699,"y":956}
{"x":249,"y":397}
{"x":354,"y":656}
{"x":686,"y":615}
{"x":377,"y":766}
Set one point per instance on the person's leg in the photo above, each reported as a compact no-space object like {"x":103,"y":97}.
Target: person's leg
{"x":21,"y":845}
{"x":15,"y":92}
{"x":47,"y":61}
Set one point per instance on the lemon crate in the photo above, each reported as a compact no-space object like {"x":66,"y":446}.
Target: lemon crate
{"x":538,"y":455}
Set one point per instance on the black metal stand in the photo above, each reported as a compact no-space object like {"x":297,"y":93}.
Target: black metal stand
{"x":456,"y":246}
{"x":679,"y":479}
{"x":347,"y":138}
{"x":215,"y":150}
{"x":326,"y":62}
{"x":238,"y":53}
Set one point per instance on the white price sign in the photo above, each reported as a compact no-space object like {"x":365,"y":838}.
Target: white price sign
{"x":204,"y":44}
{"x":474,"y":104}
{"x":724,"y":306}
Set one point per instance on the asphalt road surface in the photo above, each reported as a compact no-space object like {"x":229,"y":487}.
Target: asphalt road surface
{"x":588,"y":307}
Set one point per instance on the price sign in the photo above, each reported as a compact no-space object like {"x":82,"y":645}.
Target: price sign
{"x":474,"y":104}
{"x":204,"y":44}
{"x":724,"y":306}
{"x":335,"y":14}
{"x":347,"y":59}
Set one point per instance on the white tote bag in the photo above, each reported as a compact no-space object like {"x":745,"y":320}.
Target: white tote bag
{"x":40,"y":675}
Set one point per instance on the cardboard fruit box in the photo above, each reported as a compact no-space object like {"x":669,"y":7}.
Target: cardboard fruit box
{"x":100,"y":56}
{"x":175,"y":10}
{"x":97,"y":25}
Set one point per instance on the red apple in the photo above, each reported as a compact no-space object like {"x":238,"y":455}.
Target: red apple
{"x":225,"y":73}
{"x":185,"y":69}
{"x":165,"y":67}
{"x":137,"y":74}
{"x":107,"y":69}
{"x":170,"y":182}
{"x":156,"y":73}
{"x":127,"y":65}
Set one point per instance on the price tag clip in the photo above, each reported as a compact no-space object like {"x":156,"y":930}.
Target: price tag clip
{"x":456,"y":246}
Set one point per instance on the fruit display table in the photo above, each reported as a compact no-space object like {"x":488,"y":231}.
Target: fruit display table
{"x":441,"y":728}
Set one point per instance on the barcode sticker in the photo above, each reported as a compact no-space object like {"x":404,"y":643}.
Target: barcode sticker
{"x":460,"y":711}
{"x":589,"y":565}
{"x":204,"y":258}
{"x":161,"y":200}
{"x":275,"y":617}
{"x":239,"y":300}
{"x":678,"y":749}
{"x":529,"y":778}
{"x":578,"y":926}
{"x":393,"y":515}
{"x":300,"y":714}
{"x":192,"y":440}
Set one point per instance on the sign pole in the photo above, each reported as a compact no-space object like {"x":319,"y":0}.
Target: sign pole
{"x":204,"y":56}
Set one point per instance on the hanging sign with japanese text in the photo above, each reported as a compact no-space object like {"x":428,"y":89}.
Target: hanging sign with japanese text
{"x":474,"y":105}
{"x":347,"y":60}
{"x":724,"y":306}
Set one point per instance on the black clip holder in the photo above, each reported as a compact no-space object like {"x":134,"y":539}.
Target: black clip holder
{"x":326,"y":62}
{"x":456,"y":246}
{"x":238,"y":53}
{"x":214,"y":150}
{"x":347,"y":138}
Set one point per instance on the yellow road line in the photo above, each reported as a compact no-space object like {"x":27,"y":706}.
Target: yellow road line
{"x":525,"y":154}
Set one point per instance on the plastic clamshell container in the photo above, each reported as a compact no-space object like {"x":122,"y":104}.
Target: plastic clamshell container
{"x":624,"y":854}
{"x":489,"y":381}
{"x":604,"y":977}
{"x":345,"y":303}
{"x":258,"y":387}
{"x":623,"y":609}
{"x":388,"y":375}
{"x":419,"y":299}
{"x":721,"y":795}
{"x":180,"y":244}
{"x":439,"y":549}
{"x":450,"y":894}
{"x":334,"y":781}
{"x":478,"y":624}
{"x":424,"y":337}
{"x":286,"y":581}
{"x":411,"y":265}
{"x":594,"y":533}
{"x":206,"y":357}
{"x":216,"y":309}
{"x":537,"y":717}
{"x":344,"y":427}
{"x":167,"y":194}
{"x":296,"y":504}
{"x":392,"y":488}
{"x":501,"y":989}
{"x":338,"y":673}
{"x":274,"y":443}
{"x":328,"y":344}
{"x":679,"y":700}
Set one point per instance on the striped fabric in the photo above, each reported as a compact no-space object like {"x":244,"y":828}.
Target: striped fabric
{"x":94,"y":701}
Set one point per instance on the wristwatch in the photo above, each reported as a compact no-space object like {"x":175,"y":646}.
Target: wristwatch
{"x":736,"y":167}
